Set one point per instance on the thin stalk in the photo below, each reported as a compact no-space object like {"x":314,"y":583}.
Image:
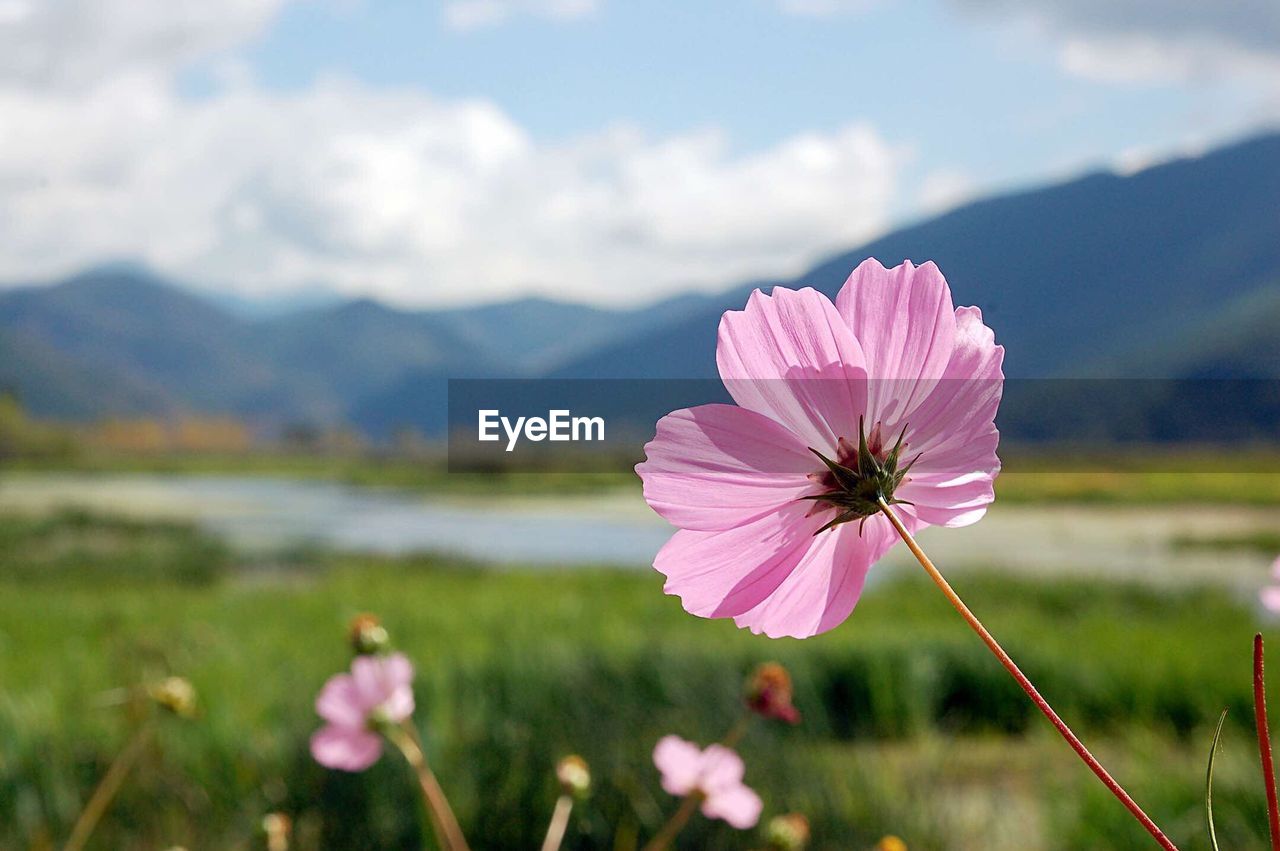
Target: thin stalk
{"x":559,"y":823}
{"x":107,"y":788}
{"x":448,"y":832}
{"x":737,"y":731}
{"x":675,"y":824}
{"x":1264,"y":741}
{"x":1026,"y":685}
{"x":1208,"y":782}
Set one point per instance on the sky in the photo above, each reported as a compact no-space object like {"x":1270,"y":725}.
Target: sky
{"x":607,"y":151}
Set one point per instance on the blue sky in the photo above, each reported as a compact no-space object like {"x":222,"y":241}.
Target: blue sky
{"x":601,"y":150}
{"x":968,"y":94}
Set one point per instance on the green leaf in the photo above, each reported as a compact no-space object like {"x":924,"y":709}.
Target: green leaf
{"x":1208,"y":782}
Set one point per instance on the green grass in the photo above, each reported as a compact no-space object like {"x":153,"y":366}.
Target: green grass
{"x":1264,"y":542}
{"x":75,"y":545}
{"x":1139,"y":487}
{"x":909,"y":726}
{"x":371,"y":470}
{"x":1132,"y":476}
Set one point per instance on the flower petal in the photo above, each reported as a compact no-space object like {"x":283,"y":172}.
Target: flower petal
{"x":378,"y":677}
{"x":397,"y":670}
{"x":954,"y":502}
{"x":340,"y":703}
{"x":1270,"y":597}
{"x":726,"y":573}
{"x":399,"y":704}
{"x":679,"y":762}
{"x":366,"y":674}
{"x":904,"y":320}
{"x":792,"y":358}
{"x":721,"y":768}
{"x":738,"y":805}
{"x":821,"y":591}
{"x":715,"y":467}
{"x":966,"y":401}
{"x":953,"y":430}
{"x":345,"y":748}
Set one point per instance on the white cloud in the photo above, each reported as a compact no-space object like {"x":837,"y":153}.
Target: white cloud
{"x":476,"y":14}
{"x":1151,"y":40}
{"x":409,"y":197}
{"x":946,"y":189}
{"x":76,"y":43}
{"x":1145,"y":59}
{"x":1141,"y":157}
{"x":371,"y":190}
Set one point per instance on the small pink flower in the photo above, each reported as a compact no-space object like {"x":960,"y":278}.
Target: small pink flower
{"x":1270,"y":595}
{"x":377,"y":691}
{"x":889,"y":391}
{"x":715,"y":773}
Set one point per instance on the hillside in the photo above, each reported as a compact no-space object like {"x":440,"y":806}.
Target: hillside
{"x":129,"y":328}
{"x":118,"y":340}
{"x":534,"y":335}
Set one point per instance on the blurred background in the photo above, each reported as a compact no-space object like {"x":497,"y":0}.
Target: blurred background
{"x":244,"y":245}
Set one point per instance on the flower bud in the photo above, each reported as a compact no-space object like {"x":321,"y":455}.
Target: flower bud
{"x":276,"y":828}
{"x":176,"y":695}
{"x":574,"y":776}
{"x":788,"y":832}
{"x":768,"y":693}
{"x":891,"y":843}
{"x":368,"y":636}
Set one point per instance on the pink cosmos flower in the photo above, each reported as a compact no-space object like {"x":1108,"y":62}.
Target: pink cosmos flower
{"x":377,"y":691}
{"x":1270,"y":595}
{"x":890,"y":391}
{"x":715,"y":773}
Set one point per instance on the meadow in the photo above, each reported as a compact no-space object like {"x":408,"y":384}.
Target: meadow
{"x":909,"y":727}
{"x":1142,"y":475}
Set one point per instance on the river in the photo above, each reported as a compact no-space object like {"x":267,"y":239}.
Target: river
{"x":257,"y":513}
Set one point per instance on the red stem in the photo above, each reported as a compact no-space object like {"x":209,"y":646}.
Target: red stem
{"x":1264,"y":741}
{"x":1026,"y":684}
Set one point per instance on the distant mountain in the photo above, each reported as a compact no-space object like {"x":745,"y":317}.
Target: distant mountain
{"x":534,"y":335}
{"x":118,"y":340}
{"x":121,"y":341}
{"x":1240,"y":339}
{"x":273,"y":306}
{"x":141,"y":332}
{"x":333,"y":357}
{"x":1079,"y":278}
{"x":56,"y":385}
{"x":683,"y":348}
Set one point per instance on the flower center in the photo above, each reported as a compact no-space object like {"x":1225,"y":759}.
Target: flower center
{"x":860,"y":477}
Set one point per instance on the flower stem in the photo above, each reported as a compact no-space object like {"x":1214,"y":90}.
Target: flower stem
{"x":559,"y":822}
{"x":107,"y":788}
{"x":676,"y":823}
{"x":448,"y":832}
{"x":737,"y":731}
{"x":1264,"y":741}
{"x":1021,"y":678}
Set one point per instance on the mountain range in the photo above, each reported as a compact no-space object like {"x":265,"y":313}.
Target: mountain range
{"x":1173,"y":271}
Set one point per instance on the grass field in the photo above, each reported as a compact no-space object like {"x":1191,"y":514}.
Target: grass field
{"x":909,"y":726}
{"x":1133,"y":476}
